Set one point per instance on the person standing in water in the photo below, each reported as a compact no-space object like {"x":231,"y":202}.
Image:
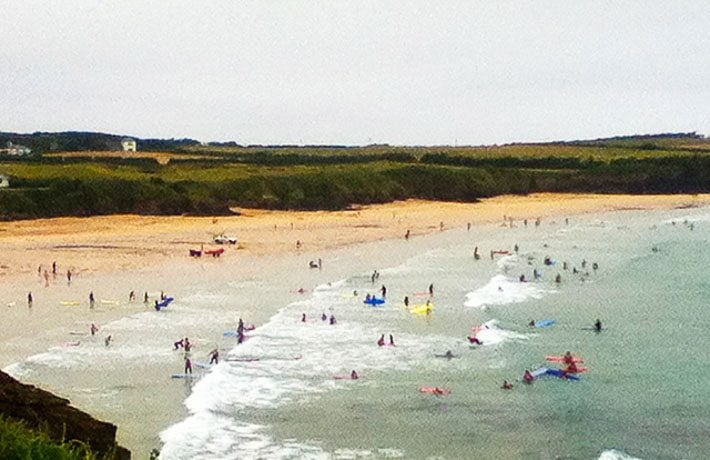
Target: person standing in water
{"x":188,"y":365}
{"x":597,"y":325}
{"x":214,"y":356}
{"x":92,"y":301}
{"x":406,"y":301}
{"x":431,"y":290}
{"x":29,"y":299}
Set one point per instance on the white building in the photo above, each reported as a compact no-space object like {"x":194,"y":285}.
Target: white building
{"x":128,"y":144}
{"x":16,"y":149}
{"x":4,"y":181}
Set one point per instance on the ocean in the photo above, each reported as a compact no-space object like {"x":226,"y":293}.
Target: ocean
{"x":285,"y":392}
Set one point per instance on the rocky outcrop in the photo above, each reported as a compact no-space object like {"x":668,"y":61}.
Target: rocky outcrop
{"x":41,"y":409}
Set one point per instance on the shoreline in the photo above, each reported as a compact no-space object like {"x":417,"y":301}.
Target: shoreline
{"x":163,"y":243}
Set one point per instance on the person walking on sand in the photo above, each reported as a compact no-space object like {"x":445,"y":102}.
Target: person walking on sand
{"x":406,"y":235}
{"x":68,"y":276}
{"x":94,"y":329}
{"x":132,"y":296}
{"x":384,"y":291}
{"x":145,"y":297}
{"x":406,"y":301}
{"x":92,"y":301}
{"x":54,"y":268}
{"x":29,"y":299}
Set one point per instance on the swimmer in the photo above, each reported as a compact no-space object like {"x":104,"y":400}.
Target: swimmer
{"x":528,"y":377}
{"x":381,"y":341}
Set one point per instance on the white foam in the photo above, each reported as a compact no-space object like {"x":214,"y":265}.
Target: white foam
{"x":277,"y":379}
{"x":490,"y":334}
{"x":501,"y":290}
{"x":616,"y":455}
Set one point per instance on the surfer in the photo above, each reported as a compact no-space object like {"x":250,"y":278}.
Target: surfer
{"x":571,"y":368}
{"x":240,"y":326}
{"x":528,"y":377}
{"x":353,"y":375}
{"x":531,"y":323}
{"x":597,"y":325}
{"x":214,"y":356}
{"x":568,"y":358}
{"x":391,"y":340}
{"x":431,"y":289}
{"x":475,"y":340}
{"x":332,"y":319}
{"x":381,"y":341}
{"x":507,"y":385}
{"x":324,"y":317}
{"x":448,"y":354}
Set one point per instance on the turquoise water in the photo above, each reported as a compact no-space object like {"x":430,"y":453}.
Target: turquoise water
{"x":644,"y":395}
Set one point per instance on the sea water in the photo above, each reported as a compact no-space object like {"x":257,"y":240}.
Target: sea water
{"x":284,"y":393}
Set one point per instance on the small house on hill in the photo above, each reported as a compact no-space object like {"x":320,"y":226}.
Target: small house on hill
{"x":4,"y":181}
{"x":128,"y":144}
{"x":16,"y":149}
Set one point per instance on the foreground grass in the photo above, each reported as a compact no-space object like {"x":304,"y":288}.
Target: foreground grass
{"x":17,"y":442}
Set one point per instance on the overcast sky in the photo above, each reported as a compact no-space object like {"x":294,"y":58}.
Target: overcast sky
{"x":357,"y":72}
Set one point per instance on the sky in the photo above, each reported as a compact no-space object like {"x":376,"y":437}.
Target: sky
{"x":358,"y":72}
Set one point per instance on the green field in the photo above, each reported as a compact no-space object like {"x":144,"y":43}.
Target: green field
{"x":217,"y":178}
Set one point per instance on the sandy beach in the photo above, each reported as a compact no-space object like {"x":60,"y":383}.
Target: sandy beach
{"x":128,"y":242}
{"x":108,"y":253}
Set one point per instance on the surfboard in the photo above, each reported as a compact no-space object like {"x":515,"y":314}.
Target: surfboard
{"x":110,"y":302}
{"x":374,"y":301}
{"x":184,"y":376}
{"x":544,"y":323}
{"x":164,"y":303}
{"x":421,"y":309}
{"x":435,"y":391}
{"x":70,"y":303}
{"x":346,"y":377}
{"x":446,"y":356}
{"x":561,"y":374}
{"x":561,"y":359}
